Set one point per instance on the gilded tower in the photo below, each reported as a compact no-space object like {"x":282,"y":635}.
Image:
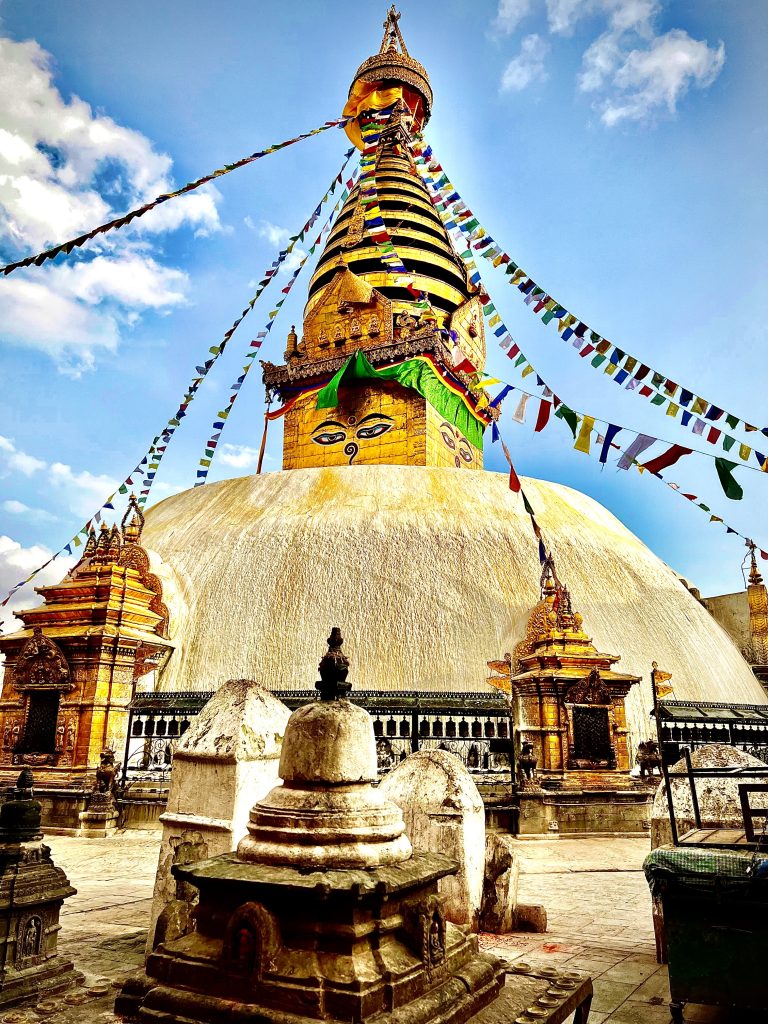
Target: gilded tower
{"x":388,"y":366}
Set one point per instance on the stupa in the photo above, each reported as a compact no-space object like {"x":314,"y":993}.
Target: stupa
{"x":324,"y":912}
{"x":382,"y":515}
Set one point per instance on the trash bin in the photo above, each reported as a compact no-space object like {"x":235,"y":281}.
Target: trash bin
{"x":715,"y":908}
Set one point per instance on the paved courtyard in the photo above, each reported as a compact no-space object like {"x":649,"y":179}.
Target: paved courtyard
{"x":594,"y":890}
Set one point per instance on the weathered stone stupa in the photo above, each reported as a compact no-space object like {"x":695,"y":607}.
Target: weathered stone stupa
{"x":32,"y":890}
{"x":324,"y":912}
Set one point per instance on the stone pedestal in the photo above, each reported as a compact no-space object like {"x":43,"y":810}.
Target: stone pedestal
{"x":228,"y":758}
{"x":100,"y":820}
{"x":32,"y":890}
{"x":443,"y":812}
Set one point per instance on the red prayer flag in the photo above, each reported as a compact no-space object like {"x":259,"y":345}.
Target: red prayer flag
{"x":713,"y":435}
{"x":666,"y":459}
{"x":545,"y":408}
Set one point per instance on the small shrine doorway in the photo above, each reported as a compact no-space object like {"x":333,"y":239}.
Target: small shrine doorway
{"x":40,"y":728}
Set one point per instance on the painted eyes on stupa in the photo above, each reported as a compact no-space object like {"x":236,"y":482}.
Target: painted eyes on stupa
{"x":456,"y":442}
{"x":371,"y":426}
{"x":330,"y":438}
{"x":375,"y":430}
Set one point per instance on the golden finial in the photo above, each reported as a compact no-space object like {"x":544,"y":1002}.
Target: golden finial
{"x":755,"y":579}
{"x":131,"y":531}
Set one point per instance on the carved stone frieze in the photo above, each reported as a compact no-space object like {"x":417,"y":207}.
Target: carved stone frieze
{"x":41,"y":665}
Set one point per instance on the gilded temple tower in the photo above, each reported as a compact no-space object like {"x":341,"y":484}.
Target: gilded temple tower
{"x":387,"y":367}
{"x":72,"y":668}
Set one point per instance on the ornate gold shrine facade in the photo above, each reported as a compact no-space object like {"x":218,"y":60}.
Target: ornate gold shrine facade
{"x":568,"y":703}
{"x":71,"y":672}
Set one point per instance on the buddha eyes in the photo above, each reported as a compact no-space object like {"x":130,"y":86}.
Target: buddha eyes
{"x":449,"y":441}
{"x":376,"y":430}
{"x":364,"y":433}
{"x":466,"y":455}
{"x":330,"y":437}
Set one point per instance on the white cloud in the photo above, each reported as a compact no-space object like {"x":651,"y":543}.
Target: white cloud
{"x":659,"y":76}
{"x":279,"y":238}
{"x":633,"y":71}
{"x":509,"y":15}
{"x":563,"y":14}
{"x":16,"y":563}
{"x":84,"y":492}
{"x":527,"y":67}
{"x":18,"y":461}
{"x":239,"y":456}
{"x":18,"y":508}
{"x":63,"y":170}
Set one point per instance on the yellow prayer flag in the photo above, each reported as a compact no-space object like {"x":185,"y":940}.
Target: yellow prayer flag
{"x":610,"y":369}
{"x":494,"y":320}
{"x":488,"y":383}
{"x":584,"y":438}
{"x":529,"y":369}
{"x":744,"y":451}
{"x":664,"y":690}
{"x":699,"y":405}
{"x":672,"y":409}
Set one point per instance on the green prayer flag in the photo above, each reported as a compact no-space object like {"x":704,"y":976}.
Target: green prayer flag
{"x":728,"y":481}
{"x":658,"y":400}
{"x":570,"y":418}
{"x":598,"y":359}
{"x":732,"y":421}
{"x":728,"y":442}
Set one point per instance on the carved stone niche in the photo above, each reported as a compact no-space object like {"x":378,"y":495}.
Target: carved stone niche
{"x":425,"y":929}
{"x":41,"y":676}
{"x":590,"y":723}
{"x":251,"y":941}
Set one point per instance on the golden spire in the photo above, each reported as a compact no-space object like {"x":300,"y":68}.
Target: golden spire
{"x":755,"y":579}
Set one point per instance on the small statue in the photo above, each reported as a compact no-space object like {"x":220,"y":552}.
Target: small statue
{"x":436,"y":948}
{"x":527,"y":762}
{"x":649,"y":758}
{"x":355,"y":330}
{"x":374,"y":325}
{"x":338,"y":335}
{"x":406,"y":323}
{"x":60,"y":737}
{"x":472,"y":328}
{"x":322,"y":340}
{"x":31,"y":939}
{"x":70,"y":740}
{"x":106,"y":772}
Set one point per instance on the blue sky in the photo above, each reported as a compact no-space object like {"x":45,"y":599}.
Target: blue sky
{"x":615,"y":148}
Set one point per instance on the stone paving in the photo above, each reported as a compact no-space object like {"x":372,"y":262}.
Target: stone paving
{"x":594,"y":890}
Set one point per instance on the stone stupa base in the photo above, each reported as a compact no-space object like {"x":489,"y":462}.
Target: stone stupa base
{"x":276,"y":943}
{"x":35,"y":984}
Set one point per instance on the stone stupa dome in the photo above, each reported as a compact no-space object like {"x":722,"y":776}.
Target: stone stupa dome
{"x":433,"y":571}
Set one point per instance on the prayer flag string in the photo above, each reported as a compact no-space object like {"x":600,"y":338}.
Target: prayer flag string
{"x":219,"y":423}
{"x":696,"y":413}
{"x":119,"y":222}
{"x":149,"y":464}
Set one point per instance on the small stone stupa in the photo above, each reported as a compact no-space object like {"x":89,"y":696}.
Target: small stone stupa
{"x":324,"y":912}
{"x":32,"y":890}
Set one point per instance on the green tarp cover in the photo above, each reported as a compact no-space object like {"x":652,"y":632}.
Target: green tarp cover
{"x":415,"y":374}
{"x":707,"y":868}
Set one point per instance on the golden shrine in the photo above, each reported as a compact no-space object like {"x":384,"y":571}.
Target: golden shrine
{"x":569,"y":714}
{"x":402,"y":352}
{"x":72,"y":670}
